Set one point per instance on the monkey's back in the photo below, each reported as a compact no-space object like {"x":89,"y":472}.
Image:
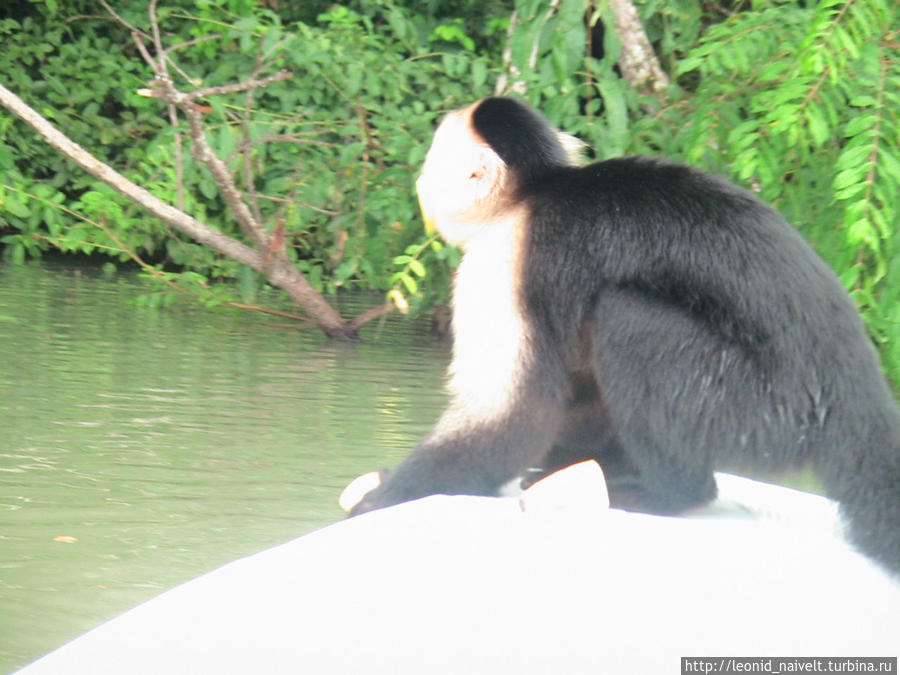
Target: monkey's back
{"x":707,"y":307}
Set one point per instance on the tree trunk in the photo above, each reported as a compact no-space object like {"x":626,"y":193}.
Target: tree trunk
{"x":638,"y":61}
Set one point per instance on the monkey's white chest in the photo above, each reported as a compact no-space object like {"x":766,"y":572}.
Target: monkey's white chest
{"x":491,"y":349}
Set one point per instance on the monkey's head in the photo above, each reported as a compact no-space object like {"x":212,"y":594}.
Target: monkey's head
{"x":480,"y":159}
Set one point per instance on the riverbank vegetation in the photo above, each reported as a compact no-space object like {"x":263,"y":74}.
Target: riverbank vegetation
{"x":296,"y":130}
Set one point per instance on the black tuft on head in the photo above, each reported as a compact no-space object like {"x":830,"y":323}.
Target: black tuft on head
{"x":523,"y":139}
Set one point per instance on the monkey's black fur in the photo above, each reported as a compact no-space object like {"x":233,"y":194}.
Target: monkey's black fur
{"x":678,"y":323}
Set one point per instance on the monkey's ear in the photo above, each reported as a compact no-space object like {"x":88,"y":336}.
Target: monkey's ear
{"x":488,"y":174}
{"x":471,"y":177}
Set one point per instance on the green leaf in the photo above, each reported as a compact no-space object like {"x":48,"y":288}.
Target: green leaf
{"x":818,"y":127}
{"x":417,"y":268}
{"x":15,"y":207}
{"x":849,"y":177}
{"x":16,"y":253}
{"x":850,"y":192}
{"x":479,"y":74}
{"x":411,"y":285}
{"x":859,"y":124}
{"x":227,"y":142}
{"x":863,"y":101}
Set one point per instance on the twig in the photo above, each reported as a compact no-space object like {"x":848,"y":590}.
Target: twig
{"x":157,"y":39}
{"x":239,"y":87}
{"x":191,"y":43}
{"x":280,"y":138}
{"x":178,"y":219}
{"x":371,"y":315}
{"x":142,"y":50}
{"x":159,"y":70}
{"x":249,"y":183}
{"x":122,"y":21}
{"x":144,"y":265}
{"x":266,"y":310}
{"x":285,"y":200}
{"x":284,"y":276}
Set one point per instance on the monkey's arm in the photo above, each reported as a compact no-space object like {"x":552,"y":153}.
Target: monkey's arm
{"x":472,"y":453}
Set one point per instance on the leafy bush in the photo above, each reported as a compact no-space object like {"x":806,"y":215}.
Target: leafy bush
{"x":801,"y":103}
{"x":333,"y":151}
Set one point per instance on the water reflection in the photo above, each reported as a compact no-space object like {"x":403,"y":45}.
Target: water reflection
{"x":140,"y":448}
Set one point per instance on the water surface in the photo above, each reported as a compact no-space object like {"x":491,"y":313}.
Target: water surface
{"x":140,"y":448}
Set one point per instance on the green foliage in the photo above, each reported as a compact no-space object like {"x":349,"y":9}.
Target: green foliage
{"x":332,"y":152}
{"x":547,"y":48}
{"x":452,"y":32}
{"x":801,"y":104}
{"x":406,"y":281}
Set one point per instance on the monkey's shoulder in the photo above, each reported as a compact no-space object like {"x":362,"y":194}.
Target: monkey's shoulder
{"x":641,"y":179}
{"x":672,"y":231}
{"x":654,"y":200}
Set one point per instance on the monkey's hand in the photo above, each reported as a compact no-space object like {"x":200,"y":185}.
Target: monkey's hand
{"x":356,"y":494}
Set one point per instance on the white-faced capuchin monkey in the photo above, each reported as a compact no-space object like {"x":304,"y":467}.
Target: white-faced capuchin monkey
{"x":647,"y":315}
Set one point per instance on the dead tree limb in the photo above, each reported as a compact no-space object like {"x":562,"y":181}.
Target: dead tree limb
{"x":280,"y":272}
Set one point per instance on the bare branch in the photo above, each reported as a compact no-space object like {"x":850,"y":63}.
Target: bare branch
{"x":157,"y":40}
{"x":239,"y":87}
{"x":371,"y":315}
{"x":266,"y":310}
{"x":286,"y":200}
{"x":204,"y":154}
{"x":122,"y":21}
{"x":285,"y":276}
{"x":249,"y":182}
{"x":179,"y":220}
{"x":268,"y":254}
{"x":179,"y":156}
{"x":139,"y":41}
{"x":159,"y":69}
{"x":279,"y":138}
{"x":191,"y":43}
{"x":173,"y":118}
{"x":509,"y":68}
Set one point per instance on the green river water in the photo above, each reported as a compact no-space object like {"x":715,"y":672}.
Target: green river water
{"x":140,"y":448}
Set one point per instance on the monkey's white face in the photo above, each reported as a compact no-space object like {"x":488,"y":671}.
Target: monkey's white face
{"x":459,"y":176}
